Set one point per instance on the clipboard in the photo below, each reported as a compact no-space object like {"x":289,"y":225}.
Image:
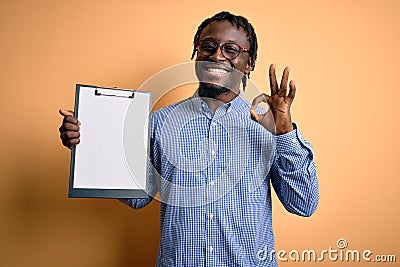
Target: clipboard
{"x":111,"y":160}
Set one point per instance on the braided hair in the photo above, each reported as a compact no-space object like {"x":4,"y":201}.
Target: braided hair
{"x":239,"y":21}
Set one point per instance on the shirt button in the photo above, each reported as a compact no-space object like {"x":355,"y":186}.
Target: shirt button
{"x":211,"y":216}
{"x":211,"y":249}
{"x":294,"y":140}
{"x":212,"y":183}
{"x":213,"y":124}
{"x":212,"y":151}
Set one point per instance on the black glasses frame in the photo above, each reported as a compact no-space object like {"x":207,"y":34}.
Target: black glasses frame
{"x":221,"y":47}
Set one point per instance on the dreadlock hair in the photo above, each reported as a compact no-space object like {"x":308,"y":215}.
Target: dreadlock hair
{"x":239,"y":21}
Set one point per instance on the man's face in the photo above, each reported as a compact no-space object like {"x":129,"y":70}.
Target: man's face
{"x":216,"y":70}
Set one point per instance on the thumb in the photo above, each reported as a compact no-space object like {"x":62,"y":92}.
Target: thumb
{"x":66,"y":112}
{"x":254,"y":115}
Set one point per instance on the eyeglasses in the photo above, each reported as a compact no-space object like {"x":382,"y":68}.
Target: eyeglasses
{"x":229,"y":50}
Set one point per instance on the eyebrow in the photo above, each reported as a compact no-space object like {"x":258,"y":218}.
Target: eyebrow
{"x":212,"y":39}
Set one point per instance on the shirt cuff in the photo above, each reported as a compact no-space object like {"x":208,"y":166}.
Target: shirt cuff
{"x":289,"y":141}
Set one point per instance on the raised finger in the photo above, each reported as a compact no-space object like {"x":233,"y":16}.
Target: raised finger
{"x":285,"y":77}
{"x":292,"y":89}
{"x":272,"y":79}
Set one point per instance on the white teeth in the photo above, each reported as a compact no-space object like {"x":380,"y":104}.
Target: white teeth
{"x":217,"y":71}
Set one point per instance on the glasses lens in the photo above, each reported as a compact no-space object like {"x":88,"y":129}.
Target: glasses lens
{"x":207,"y":48}
{"x":230,"y":50}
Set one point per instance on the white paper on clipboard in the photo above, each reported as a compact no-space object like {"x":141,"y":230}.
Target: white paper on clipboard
{"x":112,"y":158}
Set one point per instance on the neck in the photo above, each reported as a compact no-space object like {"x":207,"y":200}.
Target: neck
{"x":226,"y":97}
{"x":214,"y":103}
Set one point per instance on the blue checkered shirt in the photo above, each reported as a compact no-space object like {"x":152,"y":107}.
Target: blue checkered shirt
{"x":212,"y":173}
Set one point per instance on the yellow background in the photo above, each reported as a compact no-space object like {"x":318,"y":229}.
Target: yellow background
{"x":344,"y":56}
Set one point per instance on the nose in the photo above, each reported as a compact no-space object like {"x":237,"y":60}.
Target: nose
{"x":217,"y":56}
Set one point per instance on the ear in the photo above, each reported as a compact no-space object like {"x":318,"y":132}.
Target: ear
{"x":249,"y":66}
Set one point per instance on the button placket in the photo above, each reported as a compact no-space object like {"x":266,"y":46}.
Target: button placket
{"x":210,"y":226}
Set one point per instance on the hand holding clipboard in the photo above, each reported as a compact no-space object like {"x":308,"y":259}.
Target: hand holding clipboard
{"x":69,"y":130}
{"x":112,"y":161}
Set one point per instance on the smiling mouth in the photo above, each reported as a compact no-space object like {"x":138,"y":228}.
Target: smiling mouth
{"x":216,"y":68}
{"x":217,"y":71}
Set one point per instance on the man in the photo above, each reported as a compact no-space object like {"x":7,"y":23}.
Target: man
{"x":214,"y":157}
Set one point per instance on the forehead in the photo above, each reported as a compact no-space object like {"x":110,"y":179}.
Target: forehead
{"x":225,"y":31}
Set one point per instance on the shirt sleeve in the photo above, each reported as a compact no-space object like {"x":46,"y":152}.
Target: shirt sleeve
{"x":293,"y":174}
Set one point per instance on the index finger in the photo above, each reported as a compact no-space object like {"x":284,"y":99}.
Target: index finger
{"x":272,"y":80}
{"x":258,"y":99}
{"x":71,"y":119}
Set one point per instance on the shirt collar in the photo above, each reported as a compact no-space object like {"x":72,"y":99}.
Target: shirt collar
{"x":238,"y":104}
